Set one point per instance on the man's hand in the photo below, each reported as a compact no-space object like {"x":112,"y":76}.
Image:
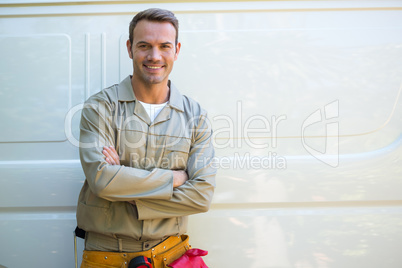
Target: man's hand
{"x":179,"y":178}
{"x":111,"y":155}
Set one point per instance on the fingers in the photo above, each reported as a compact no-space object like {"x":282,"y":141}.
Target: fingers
{"x":108,"y":158}
{"x":179,"y":178}
{"x":111,"y":155}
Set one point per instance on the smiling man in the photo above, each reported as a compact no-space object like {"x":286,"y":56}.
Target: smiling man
{"x":153,"y":49}
{"x":147,"y":154}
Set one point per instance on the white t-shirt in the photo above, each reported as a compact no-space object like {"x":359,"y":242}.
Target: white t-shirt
{"x":153,"y":109}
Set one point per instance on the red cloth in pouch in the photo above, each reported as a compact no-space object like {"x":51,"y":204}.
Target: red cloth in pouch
{"x":190,"y":259}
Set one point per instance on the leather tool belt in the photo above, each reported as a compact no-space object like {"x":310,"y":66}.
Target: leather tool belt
{"x":161,"y":255}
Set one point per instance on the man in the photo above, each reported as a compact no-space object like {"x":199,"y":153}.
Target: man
{"x":146,"y":151}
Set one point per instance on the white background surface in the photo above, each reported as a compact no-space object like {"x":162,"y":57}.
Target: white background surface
{"x":246,"y":63}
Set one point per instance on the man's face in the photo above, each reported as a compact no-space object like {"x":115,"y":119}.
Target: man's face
{"x":153,"y":51}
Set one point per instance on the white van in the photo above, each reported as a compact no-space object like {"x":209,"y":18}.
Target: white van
{"x":304,"y":97}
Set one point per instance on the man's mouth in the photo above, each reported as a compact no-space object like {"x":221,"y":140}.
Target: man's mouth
{"x":153,"y":67}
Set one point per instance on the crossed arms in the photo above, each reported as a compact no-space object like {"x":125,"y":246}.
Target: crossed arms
{"x":179,"y":176}
{"x":158,"y":193}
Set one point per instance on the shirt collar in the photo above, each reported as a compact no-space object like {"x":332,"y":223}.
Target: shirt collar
{"x":175,"y":98}
{"x":126,"y":93}
{"x":125,"y":90}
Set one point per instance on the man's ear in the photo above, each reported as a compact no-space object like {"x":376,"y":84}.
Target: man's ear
{"x":178,"y":46}
{"x":130,"y":52}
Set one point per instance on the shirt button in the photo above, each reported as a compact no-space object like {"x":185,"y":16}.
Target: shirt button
{"x":146,"y":245}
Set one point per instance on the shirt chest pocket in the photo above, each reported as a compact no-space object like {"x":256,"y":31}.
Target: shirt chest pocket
{"x":175,"y":153}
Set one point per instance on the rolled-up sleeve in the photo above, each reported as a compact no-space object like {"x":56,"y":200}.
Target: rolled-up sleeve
{"x":196,"y":194}
{"x":115,"y":182}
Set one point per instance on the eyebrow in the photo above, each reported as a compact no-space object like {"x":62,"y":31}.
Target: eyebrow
{"x":146,"y":43}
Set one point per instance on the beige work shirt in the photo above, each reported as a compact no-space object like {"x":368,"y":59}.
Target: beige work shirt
{"x":180,"y":138}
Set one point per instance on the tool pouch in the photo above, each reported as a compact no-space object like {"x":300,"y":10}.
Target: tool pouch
{"x":173,"y":253}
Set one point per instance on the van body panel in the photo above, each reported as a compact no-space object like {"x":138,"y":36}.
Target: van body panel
{"x":304,"y":98}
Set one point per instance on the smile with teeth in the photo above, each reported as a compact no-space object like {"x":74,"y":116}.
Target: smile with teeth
{"x":153,"y":67}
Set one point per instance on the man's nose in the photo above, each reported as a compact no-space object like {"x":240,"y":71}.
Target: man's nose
{"x":154,"y":54}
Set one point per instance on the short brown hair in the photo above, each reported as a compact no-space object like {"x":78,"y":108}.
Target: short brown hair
{"x":154,"y":14}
